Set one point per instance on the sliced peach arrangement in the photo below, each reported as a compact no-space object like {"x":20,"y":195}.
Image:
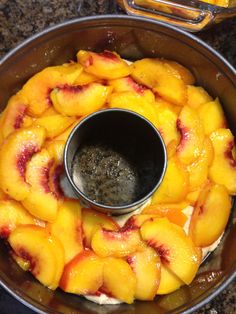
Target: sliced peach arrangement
{"x":223,"y":167}
{"x":36,"y":246}
{"x":192,"y":135}
{"x":84,"y":274}
{"x":143,"y":103}
{"x":197,"y":96}
{"x":211,"y":213}
{"x":158,"y":249}
{"x":79,"y":100}
{"x":15,"y":153}
{"x":68,"y":228}
{"x":164,"y":78}
{"x":40,"y":202}
{"x":93,"y":220}
{"x":54,"y":124}
{"x":147,"y":268}
{"x":167,"y":122}
{"x":15,"y":116}
{"x":212,"y":116}
{"x":174,"y":187}
{"x":37,"y":89}
{"x":176,"y":250}
{"x":105,"y":65}
{"x":13,"y":214}
{"x":115,"y":243}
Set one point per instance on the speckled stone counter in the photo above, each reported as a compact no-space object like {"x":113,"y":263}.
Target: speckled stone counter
{"x":20,"y":19}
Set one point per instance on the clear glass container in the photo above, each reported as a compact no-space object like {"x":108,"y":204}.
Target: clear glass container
{"x":191,"y":15}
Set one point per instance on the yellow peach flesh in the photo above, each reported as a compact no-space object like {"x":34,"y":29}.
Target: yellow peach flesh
{"x":174,"y":187}
{"x":68,"y":228}
{"x":175,"y":248}
{"x":119,"y":280}
{"x":14,"y":155}
{"x":38,"y":88}
{"x":92,"y":220}
{"x":54,"y":125}
{"x":12,"y":214}
{"x":192,"y":135}
{"x":80,"y":100}
{"x":40,"y":202}
{"x":169,"y":281}
{"x":146,"y":266}
{"x":210,"y":218}
{"x":106,"y":65}
{"x":223,"y":167}
{"x":83,"y":274}
{"x":162,"y":77}
{"x":115,"y":243}
{"x":35,"y":245}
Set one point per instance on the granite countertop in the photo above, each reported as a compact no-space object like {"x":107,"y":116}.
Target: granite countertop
{"x":20,"y":19}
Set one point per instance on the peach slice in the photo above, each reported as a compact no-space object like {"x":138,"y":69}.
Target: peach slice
{"x":83,"y":274}
{"x":173,"y":213}
{"x":15,"y":115}
{"x":175,"y":248}
{"x":174,"y":187}
{"x":162,"y":77}
{"x":147,"y":268}
{"x":171,"y":148}
{"x":192,"y":135}
{"x":3,"y":196}
{"x":12,"y":214}
{"x":23,"y":263}
{"x":105,"y":65}
{"x":167,"y":120}
{"x":182,"y":71}
{"x":68,"y":228}
{"x":212,"y":116}
{"x":223,"y":167}
{"x":210,"y":217}
{"x":169,"y":281}
{"x":37,"y":89}
{"x":56,"y":149}
{"x":165,"y":104}
{"x":14,"y":156}
{"x":197,"y":96}
{"x":192,"y":197}
{"x":40,"y":202}
{"x":126,"y":84}
{"x":92,"y":220}
{"x":119,"y":280}
{"x":64,"y":136}
{"x":165,"y":207}
{"x":144,"y":103}
{"x":36,"y":246}
{"x":54,"y":125}
{"x":116,"y":243}
{"x":49,"y":112}
{"x":198,"y":170}
{"x":136,"y":221}
{"x":79,"y":100}
{"x":85,"y":78}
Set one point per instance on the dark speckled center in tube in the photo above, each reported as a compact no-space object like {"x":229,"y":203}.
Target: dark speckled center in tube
{"x":105,"y":175}
{"x":116,"y":158}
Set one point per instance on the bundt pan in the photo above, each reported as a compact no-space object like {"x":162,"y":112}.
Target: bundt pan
{"x":133,"y":38}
